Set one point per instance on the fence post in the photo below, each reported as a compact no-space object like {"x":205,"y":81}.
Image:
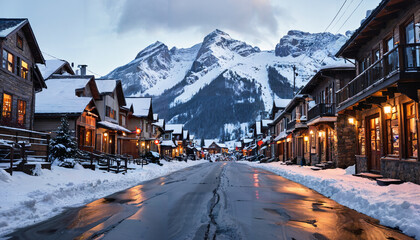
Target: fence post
{"x":47,"y":158}
{"x":12,"y":153}
{"x":107,"y":160}
{"x":126,"y":165}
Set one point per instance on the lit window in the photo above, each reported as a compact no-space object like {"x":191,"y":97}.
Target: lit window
{"x":21,"y":112}
{"x":24,"y":70}
{"x":8,"y":61}
{"x":411,"y":133}
{"x":7,"y":106}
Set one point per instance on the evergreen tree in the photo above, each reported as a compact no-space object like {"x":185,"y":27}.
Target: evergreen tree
{"x":202,"y":142}
{"x":64,"y":144}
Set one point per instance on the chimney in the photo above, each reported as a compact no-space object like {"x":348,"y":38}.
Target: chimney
{"x":82,"y":69}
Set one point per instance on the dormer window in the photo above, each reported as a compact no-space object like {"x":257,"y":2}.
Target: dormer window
{"x":19,"y":42}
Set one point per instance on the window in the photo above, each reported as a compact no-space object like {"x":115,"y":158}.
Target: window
{"x":393,"y":141}
{"x":21,"y":112}
{"x":390,"y":44}
{"x":8,"y":61}
{"x":109,"y":112}
{"x":7,"y":106}
{"x":19,"y":42}
{"x":411,"y":131}
{"x":24,"y":70}
{"x":18,"y":66}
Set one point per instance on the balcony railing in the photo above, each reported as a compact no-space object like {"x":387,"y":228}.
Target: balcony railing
{"x":384,"y":68}
{"x":291,"y":125}
{"x":321,"y":110}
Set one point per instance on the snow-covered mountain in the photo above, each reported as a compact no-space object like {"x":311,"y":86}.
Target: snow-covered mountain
{"x":219,"y":85}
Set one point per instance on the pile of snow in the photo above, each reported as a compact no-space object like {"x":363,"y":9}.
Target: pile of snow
{"x":26,"y":200}
{"x":394,"y":205}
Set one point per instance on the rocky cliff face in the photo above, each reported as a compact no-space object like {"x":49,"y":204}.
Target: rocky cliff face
{"x":218,"y":86}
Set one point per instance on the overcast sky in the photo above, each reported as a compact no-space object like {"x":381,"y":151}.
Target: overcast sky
{"x":105,"y":34}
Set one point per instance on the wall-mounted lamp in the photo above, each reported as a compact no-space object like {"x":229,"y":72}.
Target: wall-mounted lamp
{"x":352,"y":121}
{"x":387,"y":109}
{"x":306,"y":138}
{"x":105,"y":134}
{"x":311,"y":132}
{"x":320,"y":133}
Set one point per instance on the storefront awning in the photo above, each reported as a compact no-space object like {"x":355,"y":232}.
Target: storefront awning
{"x":112,"y":126}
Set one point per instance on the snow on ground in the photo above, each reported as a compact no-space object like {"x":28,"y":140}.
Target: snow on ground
{"x":394,"y":205}
{"x":26,"y":199}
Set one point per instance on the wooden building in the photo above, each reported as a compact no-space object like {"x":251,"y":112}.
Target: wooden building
{"x":177,"y":131}
{"x":108,"y":105}
{"x":20,"y":77}
{"x":324,"y":142}
{"x":381,"y":103}
{"x":72,"y":96}
{"x":141,"y":117}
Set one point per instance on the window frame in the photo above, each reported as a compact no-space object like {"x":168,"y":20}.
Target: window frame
{"x":18,"y":37}
{"x":18,"y":112}
{"x":2,"y":106}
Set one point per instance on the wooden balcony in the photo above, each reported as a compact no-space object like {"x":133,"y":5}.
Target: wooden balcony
{"x":321,"y":110}
{"x":401,"y":63}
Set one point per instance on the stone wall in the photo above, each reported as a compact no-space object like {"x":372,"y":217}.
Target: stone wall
{"x":346,"y":147}
{"x":406,"y":170}
{"x":361,"y":163}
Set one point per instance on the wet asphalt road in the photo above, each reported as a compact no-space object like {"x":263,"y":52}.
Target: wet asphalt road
{"x":212,"y":201}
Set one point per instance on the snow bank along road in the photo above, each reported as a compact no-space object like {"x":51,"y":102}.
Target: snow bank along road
{"x":212,"y":201}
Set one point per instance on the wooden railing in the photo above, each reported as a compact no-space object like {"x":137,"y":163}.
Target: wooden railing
{"x":321,"y":110}
{"x":291,"y":125}
{"x":403,"y":58}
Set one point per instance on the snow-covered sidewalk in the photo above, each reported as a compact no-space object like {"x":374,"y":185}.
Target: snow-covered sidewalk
{"x":394,"y":205}
{"x":25,"y":199}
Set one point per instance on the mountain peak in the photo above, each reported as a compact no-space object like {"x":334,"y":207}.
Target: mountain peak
{"x":152,"y":49}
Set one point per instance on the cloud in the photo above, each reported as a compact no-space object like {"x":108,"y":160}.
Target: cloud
{"x":245,"y":16}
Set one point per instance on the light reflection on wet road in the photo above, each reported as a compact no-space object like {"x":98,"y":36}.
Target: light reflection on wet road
{"x":212,"y":201}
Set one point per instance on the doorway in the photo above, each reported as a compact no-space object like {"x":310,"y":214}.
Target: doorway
{"x":374,"y":146}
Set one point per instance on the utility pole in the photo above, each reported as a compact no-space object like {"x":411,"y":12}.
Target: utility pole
{"x":294,"y":80}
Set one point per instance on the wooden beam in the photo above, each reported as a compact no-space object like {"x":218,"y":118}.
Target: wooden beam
{"x":376,"y":100}
{"x":409,"y":89}
{"x":398,"y":6}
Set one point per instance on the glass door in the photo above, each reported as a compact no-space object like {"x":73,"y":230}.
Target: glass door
{"x":374,"y":151}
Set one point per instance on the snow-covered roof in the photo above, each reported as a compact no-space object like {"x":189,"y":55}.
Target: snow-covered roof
{"x":60,"y":96}
{"x":141,"y":106}
{"x":280,"y":102}
{"x":208,"y":142}
{"x":155,"y":117}
{"x":168,"y":143}
{"x":9,"y":25}
{"x":113,"y":126}
{"x":177,"y":128}
{"x":258,"y":127}
{"x":50,"y":67}
{"x":192,"y":137}
{"x":338,"y":65}
{"x":265,"y":122}
{"x":281,"y":136}
{"x":106,"y":86}
{"x":248,"y":140}
{"x":160,"y":123}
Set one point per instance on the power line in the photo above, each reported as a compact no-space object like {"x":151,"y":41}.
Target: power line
{"x":345,"y":23}
{"x":339,"y":10}
{"x":344,"y":13}
{"x":100,"y":75}
{"x":316,"y":38}
{"x":350,"y":15}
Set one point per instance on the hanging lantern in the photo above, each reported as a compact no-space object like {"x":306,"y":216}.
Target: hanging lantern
{"x":260,"y":143}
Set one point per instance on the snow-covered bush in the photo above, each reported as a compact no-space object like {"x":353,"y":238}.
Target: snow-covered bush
{"x":64,"y":144}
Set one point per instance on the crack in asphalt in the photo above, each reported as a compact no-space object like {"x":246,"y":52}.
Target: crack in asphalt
{"x":214,"y":201}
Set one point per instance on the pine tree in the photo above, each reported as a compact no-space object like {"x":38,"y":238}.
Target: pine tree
{"x":64,"y":144}
{"x":202,"y":142}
